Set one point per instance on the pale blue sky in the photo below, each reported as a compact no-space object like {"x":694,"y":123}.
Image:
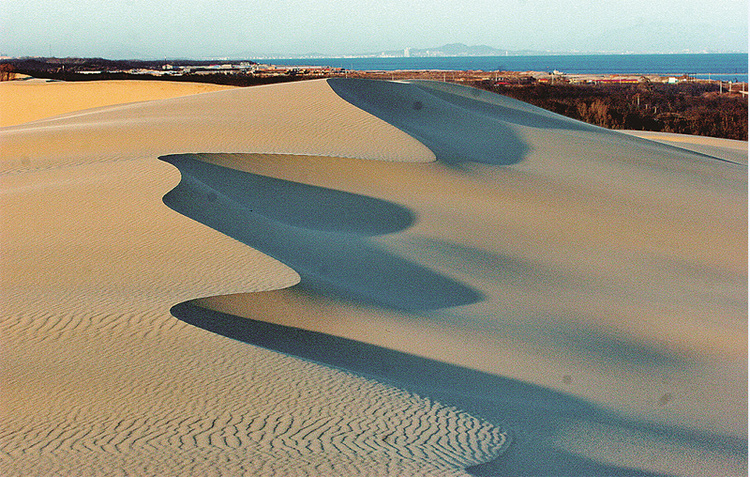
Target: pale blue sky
{"x":218,"y":28}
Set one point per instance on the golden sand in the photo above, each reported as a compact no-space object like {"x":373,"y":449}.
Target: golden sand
{"x":31,"y":99}
{"x":591,"y":304}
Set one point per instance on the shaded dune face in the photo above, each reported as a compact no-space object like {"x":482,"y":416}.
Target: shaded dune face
{"x":293,"y":203}
{"x":323,"y":234}
{"x":418,"y":436}
{"x":456,"y":128}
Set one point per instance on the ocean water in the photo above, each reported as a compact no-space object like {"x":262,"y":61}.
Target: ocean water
{"x":725,"y":66}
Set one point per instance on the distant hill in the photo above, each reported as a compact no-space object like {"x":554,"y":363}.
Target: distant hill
{"x":459,"y":49}
{"x":451,"y":49}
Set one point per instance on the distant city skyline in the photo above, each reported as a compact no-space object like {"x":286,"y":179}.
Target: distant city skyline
{"x":234,"y":28}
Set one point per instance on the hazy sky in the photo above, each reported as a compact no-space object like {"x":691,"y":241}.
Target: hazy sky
{"x":217,"y":28}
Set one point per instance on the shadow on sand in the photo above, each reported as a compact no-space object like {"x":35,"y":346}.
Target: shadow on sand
{"x":533,"y":415}
{"x":323,"y":234}
{"x":454,"y":128}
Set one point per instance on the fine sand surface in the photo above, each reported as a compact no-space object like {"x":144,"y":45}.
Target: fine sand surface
{"x":30,"y":99}
{"x":727,"y":149}
{"x":351,"y":277}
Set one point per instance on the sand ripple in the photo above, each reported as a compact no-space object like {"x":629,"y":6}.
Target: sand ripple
{"x":282,"y":416}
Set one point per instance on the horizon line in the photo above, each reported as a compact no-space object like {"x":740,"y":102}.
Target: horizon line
{"x":383,"y":54}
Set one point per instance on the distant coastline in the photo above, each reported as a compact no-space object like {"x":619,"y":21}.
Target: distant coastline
{"x":463,"y":50}
{"x":725,"y":66}
{"x":718,"y":66}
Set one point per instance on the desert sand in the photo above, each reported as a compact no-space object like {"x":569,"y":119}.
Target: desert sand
{"x":31,"y":99}
{"x":354,"y":277}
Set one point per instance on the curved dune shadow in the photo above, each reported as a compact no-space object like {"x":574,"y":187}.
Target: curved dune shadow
{"x":297,"y":204}
{"x":532,"y":414}
{"x":455,"y":130}
{"x":493,"y":105}
{"x":328,"y":244}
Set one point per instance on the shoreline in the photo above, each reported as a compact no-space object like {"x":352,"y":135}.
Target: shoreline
{"x":303,"y":72}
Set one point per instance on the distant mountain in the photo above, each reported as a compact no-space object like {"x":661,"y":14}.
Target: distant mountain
{"x":452,"y":49}
{"x":460,"y":49}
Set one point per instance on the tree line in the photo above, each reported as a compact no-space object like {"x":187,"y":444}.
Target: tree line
{"x":695,"y":108}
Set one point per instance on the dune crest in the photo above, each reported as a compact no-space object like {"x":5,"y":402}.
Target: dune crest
{"x":455,"y":131}
{"x":293,"y":118}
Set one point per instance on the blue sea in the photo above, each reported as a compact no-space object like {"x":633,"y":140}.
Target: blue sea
{"x":725,"y":66}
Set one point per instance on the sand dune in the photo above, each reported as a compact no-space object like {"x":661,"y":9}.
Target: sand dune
{"x":33,"y":99}
{"x":368,"y":278}
{"x":257,"y":119}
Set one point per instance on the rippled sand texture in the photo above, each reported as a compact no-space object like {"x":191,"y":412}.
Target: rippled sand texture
{"x":368,"y":278}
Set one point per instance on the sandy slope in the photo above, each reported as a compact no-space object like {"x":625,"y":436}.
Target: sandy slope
{"x":582,"y":290}
{"x":296,"y":118}
{"x":32,"y":99}
{"x":726,"y":149}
